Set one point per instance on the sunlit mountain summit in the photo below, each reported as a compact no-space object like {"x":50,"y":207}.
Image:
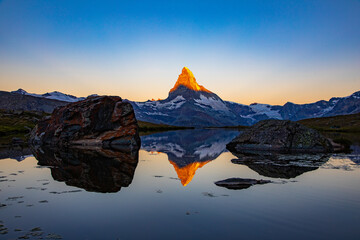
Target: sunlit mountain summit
{"x":187,"y":79}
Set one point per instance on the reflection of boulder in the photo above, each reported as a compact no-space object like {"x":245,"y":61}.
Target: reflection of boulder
{"x":286,"y":166}
{"x":188,"y":150}
{"x":95,"y":170}
{"x":96,"y":121}
{"x":280,"y":135}
{"x":17,"y":153}
{"x":239,"y":183}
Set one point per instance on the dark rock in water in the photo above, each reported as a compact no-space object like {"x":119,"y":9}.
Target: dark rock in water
{"x":98,"y":121}
{"x":92,"y":169}
{"x":280,"y":135}
{"x":277,"y":165}
{"x":240,"y":183}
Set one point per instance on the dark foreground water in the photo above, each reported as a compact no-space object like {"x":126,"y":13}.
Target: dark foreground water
{"x":167,"y":191}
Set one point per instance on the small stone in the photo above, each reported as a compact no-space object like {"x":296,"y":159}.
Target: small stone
{"x":14,"y":198}
{"x":24,"y":237}
{"x":240,"y":183}
{"x":207,"y":194}
{"x":36,"y":234}
{"x":53,"y":236}
{"x":36,"y":229}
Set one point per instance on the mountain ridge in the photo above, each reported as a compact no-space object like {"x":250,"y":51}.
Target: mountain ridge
{"x":51,"y":95}
{"x":188,"y":105}
{"x":191,"y":105}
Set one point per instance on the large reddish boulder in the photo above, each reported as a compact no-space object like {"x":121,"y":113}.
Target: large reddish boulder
{"x":105,"y":121}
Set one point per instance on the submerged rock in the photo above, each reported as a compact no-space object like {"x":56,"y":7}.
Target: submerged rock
{"x":240,"y":183}
{"x":98,"y":121}
{"x":280,"y":135}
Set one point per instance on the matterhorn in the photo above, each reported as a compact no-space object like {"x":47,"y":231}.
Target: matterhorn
{"x":189,"y":104}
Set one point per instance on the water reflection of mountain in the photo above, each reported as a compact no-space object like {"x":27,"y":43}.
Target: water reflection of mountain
{"x":281,"y":165}
{"x":189,"y":150}
{"x":95,"y":170}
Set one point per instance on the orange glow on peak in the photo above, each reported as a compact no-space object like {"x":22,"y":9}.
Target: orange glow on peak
{"x":186,"y":174}
{"x":187,"y":79}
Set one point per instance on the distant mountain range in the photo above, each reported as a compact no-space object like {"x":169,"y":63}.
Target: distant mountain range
{"x":190,"y":104}
{"x":52,"y":95}
{"x":22,"y":100}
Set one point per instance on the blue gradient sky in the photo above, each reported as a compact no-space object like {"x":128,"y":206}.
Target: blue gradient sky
{"x":245,"y":51}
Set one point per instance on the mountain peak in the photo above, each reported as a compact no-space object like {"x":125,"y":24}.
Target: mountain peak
{"x":187,"y":79}
{"x":20,"y":91}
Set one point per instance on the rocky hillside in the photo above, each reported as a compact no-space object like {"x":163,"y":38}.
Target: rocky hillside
{"x":341,"y":123}
{"x":16,"y":101}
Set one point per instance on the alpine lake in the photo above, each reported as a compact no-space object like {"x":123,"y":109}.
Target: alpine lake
{"x":167,"y":190}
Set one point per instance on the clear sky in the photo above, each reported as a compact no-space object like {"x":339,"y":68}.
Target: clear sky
{"x":245,"y":51}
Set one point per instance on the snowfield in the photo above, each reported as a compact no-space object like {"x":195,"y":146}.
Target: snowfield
{"x":212,"y":103}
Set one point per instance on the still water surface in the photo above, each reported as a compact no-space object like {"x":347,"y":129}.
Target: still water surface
{"x":167,"y":191}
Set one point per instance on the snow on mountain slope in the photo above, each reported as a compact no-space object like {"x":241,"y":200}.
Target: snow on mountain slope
{"x":212,"y":103}
{"x":62,"y":97}
{"x":169,"y":105}
{"x":52,"y":95}
{"x":265,"y":109}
